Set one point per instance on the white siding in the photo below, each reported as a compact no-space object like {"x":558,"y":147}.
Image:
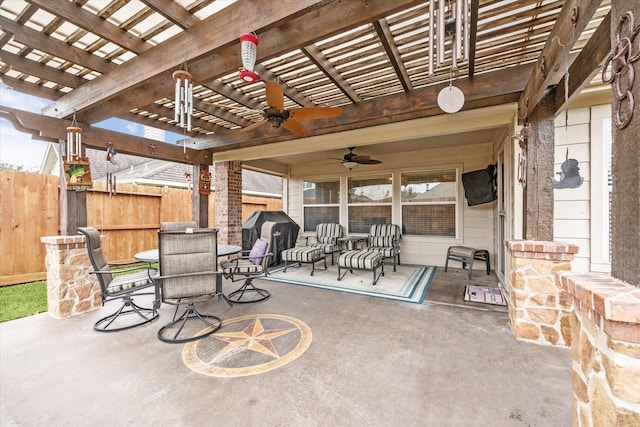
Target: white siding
{"x":573,"y":207}
{"x":477,"y":221}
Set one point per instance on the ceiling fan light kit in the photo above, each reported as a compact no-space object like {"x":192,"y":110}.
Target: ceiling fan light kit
{"x":350,"y":165}
{"x":248,"y":53}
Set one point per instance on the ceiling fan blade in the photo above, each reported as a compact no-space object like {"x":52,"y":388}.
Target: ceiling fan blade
{"x":253,"y":126}
{"x":296,"y":127}
{"x":369,"y":162}
{"x":360,"y":159}
{"x":315,"y":112}
{"x":275,"y":96}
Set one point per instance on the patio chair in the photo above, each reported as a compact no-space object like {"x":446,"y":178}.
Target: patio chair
{"x":188,"y":271}
{"x":385,"y":238}
{"x":252,"y":264}
{"x":121,"y":285}
{"x":178,"y":225}
{"x":327,"y":235}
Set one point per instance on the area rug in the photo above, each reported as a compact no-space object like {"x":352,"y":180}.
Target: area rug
{"x":409,"y":283}
{"x":484,"y":294}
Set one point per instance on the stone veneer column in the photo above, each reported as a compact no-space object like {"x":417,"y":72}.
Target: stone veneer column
{"x":228,"y":182}
{"x":71,"y":289}
{"x":605,"y":349}
{"x":538,"y":307}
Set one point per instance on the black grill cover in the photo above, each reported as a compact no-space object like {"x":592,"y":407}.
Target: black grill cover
{"x":287,"y":228}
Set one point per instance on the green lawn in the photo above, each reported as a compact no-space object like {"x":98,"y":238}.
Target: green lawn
{"x":22,"y":300}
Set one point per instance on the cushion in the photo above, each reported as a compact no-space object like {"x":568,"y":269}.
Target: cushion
{"x":257,"y":251}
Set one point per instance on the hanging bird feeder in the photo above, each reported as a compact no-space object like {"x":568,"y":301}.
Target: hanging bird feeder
{"x":248,"y":53}
{"x":183,"y":98}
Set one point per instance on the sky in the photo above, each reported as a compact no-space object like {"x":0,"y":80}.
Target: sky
{"x":19,"y":149}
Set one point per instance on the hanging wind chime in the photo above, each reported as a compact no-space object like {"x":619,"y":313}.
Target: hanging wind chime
{"x":183,"y":98}
{"x":76,"y":168}
{"x":248,"y":54}
{"x":450,"y":21}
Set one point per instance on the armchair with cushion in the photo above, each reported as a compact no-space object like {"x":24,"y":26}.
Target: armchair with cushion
{"x":250,"y":265}
{"x":120,"y":284}
{"x":385,"y":238}
{"x":327,"y":235}
{"x":188,"y":271}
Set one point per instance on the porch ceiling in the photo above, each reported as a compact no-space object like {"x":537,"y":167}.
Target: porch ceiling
{"x":101,"y":59}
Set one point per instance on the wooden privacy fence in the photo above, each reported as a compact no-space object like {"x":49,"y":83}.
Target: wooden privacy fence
{"x":30,"y":209}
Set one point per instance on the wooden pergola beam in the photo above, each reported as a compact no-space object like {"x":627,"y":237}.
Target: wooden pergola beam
{"x":39,"y":41}
{"x":75,"y":14}
{"x":324,"y":21}
{"x":586,"y":65}
{"x":482,"y":91}
{"x":173,"y":12}
{"x":570,"y":23}
{"x":389,"y":45}
{"x":318,"y":58}
{"x":195,"y":43}
{"x":54,"y":129}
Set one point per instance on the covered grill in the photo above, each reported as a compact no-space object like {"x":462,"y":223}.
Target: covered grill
{"x":285,"y":228}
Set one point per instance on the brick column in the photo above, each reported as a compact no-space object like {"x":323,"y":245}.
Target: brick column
{"x":228,"y":202}
{"x":71,"y":290}
{"x":605,"y":349}
{"x":538,"y":307}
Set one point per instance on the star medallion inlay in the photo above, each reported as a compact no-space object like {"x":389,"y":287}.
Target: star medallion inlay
{"x":248,"y":345}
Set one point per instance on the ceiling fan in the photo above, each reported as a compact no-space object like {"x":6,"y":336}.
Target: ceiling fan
{"x":277,"y":116}
{"x":351,"y":160}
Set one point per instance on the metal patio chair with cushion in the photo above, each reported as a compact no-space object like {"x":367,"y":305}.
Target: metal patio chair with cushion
{"x":385,"y":238}
{"x":188,"y":271}
{"x":327,"y":235}
{"x":120,"y":284}
{"x":252,"y":264}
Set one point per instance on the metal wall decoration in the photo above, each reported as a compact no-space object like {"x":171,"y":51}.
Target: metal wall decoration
{"x":619,"y":70}
{"x":204,"y":186}
{"x":569,"y":175}
{"x":183,"y":107}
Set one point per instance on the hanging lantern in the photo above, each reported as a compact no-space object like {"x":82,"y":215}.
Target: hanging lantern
{"x":184,"y":98}
{"x":248,"y":53}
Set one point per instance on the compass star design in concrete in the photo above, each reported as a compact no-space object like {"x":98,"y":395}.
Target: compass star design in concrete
{"x":248,"y":345}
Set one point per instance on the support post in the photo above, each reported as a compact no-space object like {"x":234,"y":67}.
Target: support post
{"x":200,"y":202}
{"x":228,"y":179}
{"x":538,"y":203}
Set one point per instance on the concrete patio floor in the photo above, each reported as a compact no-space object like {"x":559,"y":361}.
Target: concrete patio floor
{"x":370,"y":362}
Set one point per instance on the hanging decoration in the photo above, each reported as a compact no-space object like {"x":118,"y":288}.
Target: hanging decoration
{"x":111,"y":152}
{"x":248,"y":53}
{"x":204,"y":185}
{"x":452,"y":22}
{"x":77,"y":170}
{"x":183,"y":98}
{"x":619,"y":69}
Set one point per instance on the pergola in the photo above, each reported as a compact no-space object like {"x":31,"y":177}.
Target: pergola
{"x":377,"y":60}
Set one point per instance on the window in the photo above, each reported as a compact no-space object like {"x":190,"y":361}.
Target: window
{"x":370,"y":200}
{"x":321,"y":202}
{"x":429,"y":203}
